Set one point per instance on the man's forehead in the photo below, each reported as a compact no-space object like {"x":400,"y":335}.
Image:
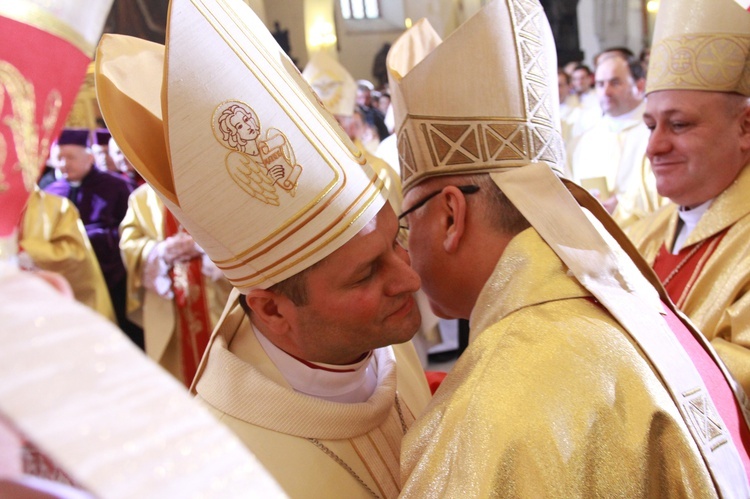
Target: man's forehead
{"x":72,"y":149}
{"x":359,"y":249}
{"x":673,"y":101}
{"x":611,"y":68}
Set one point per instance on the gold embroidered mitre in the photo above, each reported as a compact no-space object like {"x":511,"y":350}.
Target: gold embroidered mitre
{"x":700,"y":45}
{"x":247,"y":158}
{"x":483,"y":99}
{"x":332,"y":83}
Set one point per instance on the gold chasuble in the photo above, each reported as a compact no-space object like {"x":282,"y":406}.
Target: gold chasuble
{"x":53,"y":236}
{"x":314,"y":448}
{"x":168,"y":336}
{"x":715,"y":295}
{"x":599,"y":425}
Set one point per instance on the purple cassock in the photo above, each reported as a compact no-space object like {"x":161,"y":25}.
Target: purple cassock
{"x":102,"y":200}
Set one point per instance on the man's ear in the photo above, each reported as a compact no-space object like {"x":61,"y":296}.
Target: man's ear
{"x":272,"y":312}
{"x":455,"y":225}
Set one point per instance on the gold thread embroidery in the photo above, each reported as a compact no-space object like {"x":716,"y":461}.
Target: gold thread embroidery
{"x":30,"y":145}
{"x":256,"y":163}
{"x":700,"y":61}
{"x":377,"y":183}
{"x":702,"y":418}
{"x":337,"y":185}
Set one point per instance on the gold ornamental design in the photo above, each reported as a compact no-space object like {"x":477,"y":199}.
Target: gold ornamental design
{"x":257,"y":163}
{"x":473,"y":143}
{"x":700,"y":62}
{"x":702,"y":417}
{"x":31,"y":144}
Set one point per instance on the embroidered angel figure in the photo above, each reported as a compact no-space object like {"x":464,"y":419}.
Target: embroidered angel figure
{"x":257,"y":164}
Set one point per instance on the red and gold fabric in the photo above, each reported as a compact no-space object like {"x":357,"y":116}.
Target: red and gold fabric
{"x":718,"y":294}
{"x":169,"y":331}
{"x":191,"y":305}
{"x":42,"y":64}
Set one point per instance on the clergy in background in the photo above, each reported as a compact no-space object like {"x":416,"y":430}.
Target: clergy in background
{"x":175,"y":292}
{"x":53,"y":238}
{"x":102,"y":200}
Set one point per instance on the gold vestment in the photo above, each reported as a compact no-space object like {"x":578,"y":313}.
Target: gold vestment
{"x":54,"y":237}
{"x":511,"y":420}
{"x":718,"y":302}
{"x":141,"y":230}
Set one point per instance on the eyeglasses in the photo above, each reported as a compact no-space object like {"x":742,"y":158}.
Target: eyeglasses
{"x":403,"y":228}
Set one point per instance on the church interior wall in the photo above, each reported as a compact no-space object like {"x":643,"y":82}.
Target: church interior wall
{"x":600,"y":25}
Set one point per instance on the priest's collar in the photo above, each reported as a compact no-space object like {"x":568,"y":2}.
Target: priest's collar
{"x":689,"y":218}
{"x":349,"y":384}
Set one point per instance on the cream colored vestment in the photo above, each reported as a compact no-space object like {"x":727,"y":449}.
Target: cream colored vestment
{"x":307,"y":443}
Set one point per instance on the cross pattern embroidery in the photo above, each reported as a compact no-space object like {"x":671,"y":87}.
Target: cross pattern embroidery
{"x":702,"y":417}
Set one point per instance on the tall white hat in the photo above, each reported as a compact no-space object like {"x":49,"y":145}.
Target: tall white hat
{"x":492,"y":99}
{"x":700,"y":45}
{"x":247,"y":158}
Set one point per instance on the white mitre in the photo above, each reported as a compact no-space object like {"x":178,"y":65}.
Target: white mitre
{"x":246,"y":156}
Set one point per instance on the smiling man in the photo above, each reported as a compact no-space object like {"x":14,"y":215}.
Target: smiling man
{"x":699,"y":150}
{"x":300,"y":366}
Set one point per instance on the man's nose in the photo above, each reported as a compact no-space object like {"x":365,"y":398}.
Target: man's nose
{"x":658,"y":143}
{"x":403,"y":278}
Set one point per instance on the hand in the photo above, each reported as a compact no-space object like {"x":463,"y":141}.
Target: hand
{"x":277,"y":172}
{"x":177,"y":248}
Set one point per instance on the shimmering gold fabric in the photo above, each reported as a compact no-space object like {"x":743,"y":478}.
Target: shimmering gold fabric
{"x":243,"y":388}
{"x":54,"y":237}
{"x":510,"y":420}
{"x":718,"y":302}
{"x":141,"y":229}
